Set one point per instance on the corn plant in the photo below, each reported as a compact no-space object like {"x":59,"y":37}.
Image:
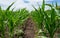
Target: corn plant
{"x":49,"y":21}
{"x":13,"y":19}
{"x":38,"y":17}
{"x":2,"y":23}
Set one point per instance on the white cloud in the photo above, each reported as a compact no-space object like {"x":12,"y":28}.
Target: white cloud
{"x":37,"y":0}
{"x":21,"y":4}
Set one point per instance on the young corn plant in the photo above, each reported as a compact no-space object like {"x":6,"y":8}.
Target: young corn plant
{"x":8,"y":17}
{"x":2,"y":23}
{"x":41,"y":16}
{"x":38,"y":15}
{"x":14,"y":18}
{"x":50,"y":22}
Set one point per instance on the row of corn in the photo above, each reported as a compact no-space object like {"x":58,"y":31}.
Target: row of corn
{"x":44,"y":19}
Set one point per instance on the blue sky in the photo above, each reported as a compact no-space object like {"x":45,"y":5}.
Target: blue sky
{"x":25,"y":3}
